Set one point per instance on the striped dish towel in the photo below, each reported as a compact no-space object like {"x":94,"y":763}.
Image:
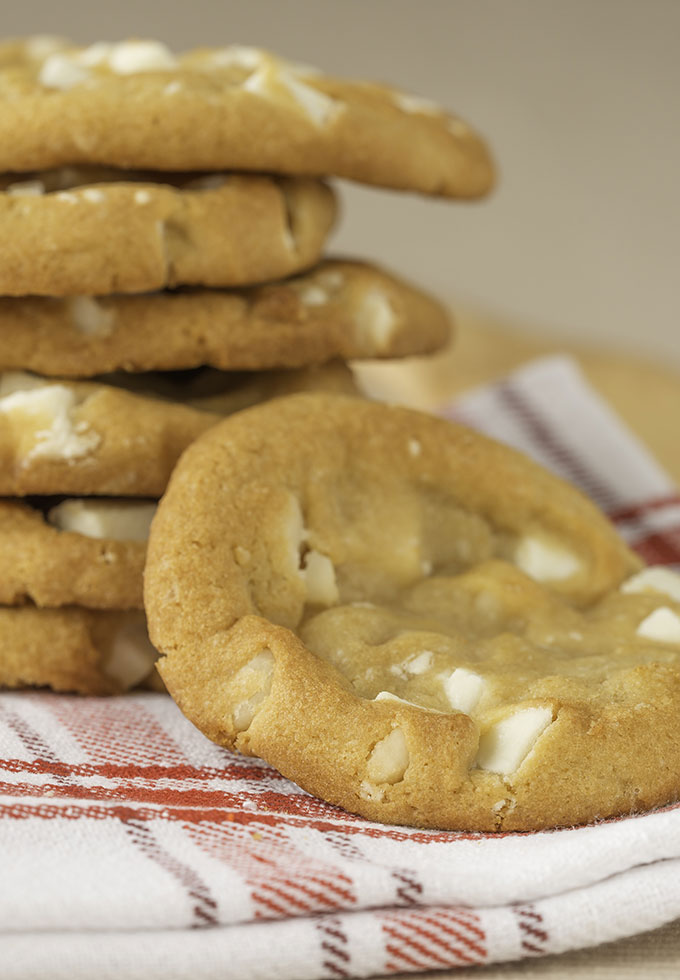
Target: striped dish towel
{"x":132,"y":848}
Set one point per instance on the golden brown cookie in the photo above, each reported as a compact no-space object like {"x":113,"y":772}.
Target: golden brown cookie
{"x":131,"y":237}
{"x":413,"y":621}
{"x":72,"y":649}
{"x":94,"y":437}
{"x":339,"y":309}
{"x":135,"y":104}
{"x":88,"y":438}
{"x":83,"y":552}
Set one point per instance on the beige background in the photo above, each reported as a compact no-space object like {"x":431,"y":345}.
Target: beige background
{"x":578,"y":97}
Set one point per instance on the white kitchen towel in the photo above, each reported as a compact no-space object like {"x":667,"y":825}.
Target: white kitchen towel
{"x":133,"y":848}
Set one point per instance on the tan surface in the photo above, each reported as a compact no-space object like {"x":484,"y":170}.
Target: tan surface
{"x":646,"y":395}
{"x":135,"y":237}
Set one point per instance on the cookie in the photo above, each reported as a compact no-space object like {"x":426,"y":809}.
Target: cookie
{"x":132,"y":237}
{"x":82,"y":552}
{"x":72,"y":649}
{"x":413,"y":622}
{"x":135,"y":104}
{"x":87,"y":438}
{"x":339,"y":309}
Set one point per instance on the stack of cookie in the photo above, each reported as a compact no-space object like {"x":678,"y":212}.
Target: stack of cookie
{"x":163,"y":227}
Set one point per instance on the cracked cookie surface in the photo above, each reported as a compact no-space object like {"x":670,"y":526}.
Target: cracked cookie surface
{"x":338,"y":309}
{"x":109,"y":233}
{"x":413,"y":621}
{"x":135,"y":104}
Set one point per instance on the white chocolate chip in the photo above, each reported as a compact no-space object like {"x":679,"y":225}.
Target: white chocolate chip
{"x":131,"y":655}
{"x":376,"y":320}
{"x":319,"y":107}
{"x":93,"y":195}
{"x":504,"y":746}
{"x":255,"y":679}
{"x":463,"y":688}
{"x":270,"y":80}
{"x":319,"y":576}
{"x":418,"y":663}
{"x":662,"y":625}
{"x":238,"y":56}
{"x":655,"y":579}
{"x":142,"y":197}
{"x":545,"y":559}
{"x":47,"y":413}
{"x":129,"y":57}
{"x":313,"y":296}
{"x":120,"y":520}
{"x":389,"y":759}
{"x":25,"y":188}
{"x":89,"y":317}
{"x":414,"y":447}
{"x":67,"y":197}
{"x":416,"y":104}
{"x":94,"y":55}
{"x":60,"y":71}
{"x":367,"y":791}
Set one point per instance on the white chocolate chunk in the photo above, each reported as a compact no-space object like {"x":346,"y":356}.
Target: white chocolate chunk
{"x":239,"y":56}
{"x":142,"y":197}
{"x":44,"y":417}
{"x":95,"y":54}
{"x":414,"y":447}
{"x":319,"y":107}
{"x":656,"y":578}
{"x":389,"y":759}
{"x":313,"y":296}
{"x":416,"y":104}
{"x":254,"y":679}
{"x":389,"y":696}
{"x":129,"y":57}
{"x":131,"y":655}
{"x":119,"y":520}
{"x":367,"y":791}
{"x":271,"y":81}
{"x":60,"y":71}
{"x":89,"y":317}
{"x":375,"y":319}
{"x":463,"y":688}
{"x":25,"y":188}
{"x":546,"y":560}
{"x":662,"y":625}
{"x":319,"y":575}
{"x":419,"y":663}
{"x":504,"y":746}
{"x":93,"y":195}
